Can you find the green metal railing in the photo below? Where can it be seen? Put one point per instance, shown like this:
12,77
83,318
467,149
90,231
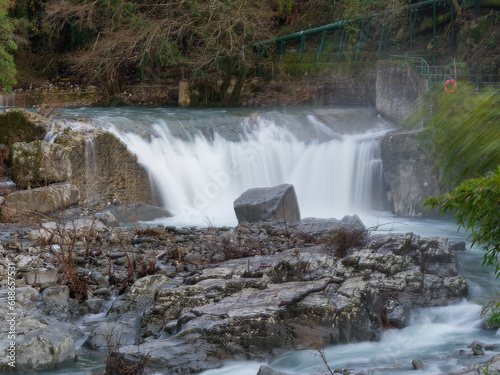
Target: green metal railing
363,37
438,75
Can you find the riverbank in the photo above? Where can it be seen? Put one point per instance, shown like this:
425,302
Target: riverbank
205,296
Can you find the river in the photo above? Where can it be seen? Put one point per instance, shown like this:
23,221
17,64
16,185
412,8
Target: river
201,160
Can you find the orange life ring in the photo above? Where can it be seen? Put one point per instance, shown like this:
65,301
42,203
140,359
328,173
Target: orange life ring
453,87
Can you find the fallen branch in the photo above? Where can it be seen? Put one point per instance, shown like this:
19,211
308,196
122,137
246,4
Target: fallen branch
301,296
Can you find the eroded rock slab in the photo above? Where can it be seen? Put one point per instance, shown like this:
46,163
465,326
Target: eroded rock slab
257,307
25,204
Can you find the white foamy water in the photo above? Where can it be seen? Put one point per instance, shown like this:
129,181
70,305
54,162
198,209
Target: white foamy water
199,173
201,160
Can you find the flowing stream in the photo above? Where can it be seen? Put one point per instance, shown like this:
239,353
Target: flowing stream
200,160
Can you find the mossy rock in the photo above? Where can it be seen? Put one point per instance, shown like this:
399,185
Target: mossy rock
19,125
39,163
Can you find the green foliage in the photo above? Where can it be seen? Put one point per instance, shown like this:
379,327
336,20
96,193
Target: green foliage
465,136
476,203
390,12
480,30
491,44
464,133
286,6
7,46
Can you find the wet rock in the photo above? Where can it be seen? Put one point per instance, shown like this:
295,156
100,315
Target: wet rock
275,204
396,314
44,348
132,212
93,305
21,205
408,173
111,335
265,370
39,163
84,228
477,349
417,364
57,294
177,357
311,225
493,366
42,277
249,311
20,125
457,245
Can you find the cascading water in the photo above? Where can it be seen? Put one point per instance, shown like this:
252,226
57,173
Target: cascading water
200,160
8,100
199,173
91,175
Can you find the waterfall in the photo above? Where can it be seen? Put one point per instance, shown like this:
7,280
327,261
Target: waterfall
199,173
91,176
7,100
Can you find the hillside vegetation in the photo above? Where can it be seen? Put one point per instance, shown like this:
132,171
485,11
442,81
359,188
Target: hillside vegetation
115,43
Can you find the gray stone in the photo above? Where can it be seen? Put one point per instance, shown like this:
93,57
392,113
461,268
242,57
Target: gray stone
477,349
493,366
237,313
177,357
57,294
265,370
42,277
457,245
193,258
99,279
94,305
102,292
42,348
26,203
275,204
310,225
83,229
111,335
132,212
408,173
39,163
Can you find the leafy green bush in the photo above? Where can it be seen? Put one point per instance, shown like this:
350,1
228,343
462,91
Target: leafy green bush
464,132
7,46
476,204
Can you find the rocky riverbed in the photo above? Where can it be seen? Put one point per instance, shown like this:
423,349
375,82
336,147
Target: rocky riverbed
182,300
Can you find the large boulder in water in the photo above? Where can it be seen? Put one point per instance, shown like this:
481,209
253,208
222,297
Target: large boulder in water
277,204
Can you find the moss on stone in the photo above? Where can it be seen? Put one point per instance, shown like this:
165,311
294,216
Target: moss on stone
18,126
